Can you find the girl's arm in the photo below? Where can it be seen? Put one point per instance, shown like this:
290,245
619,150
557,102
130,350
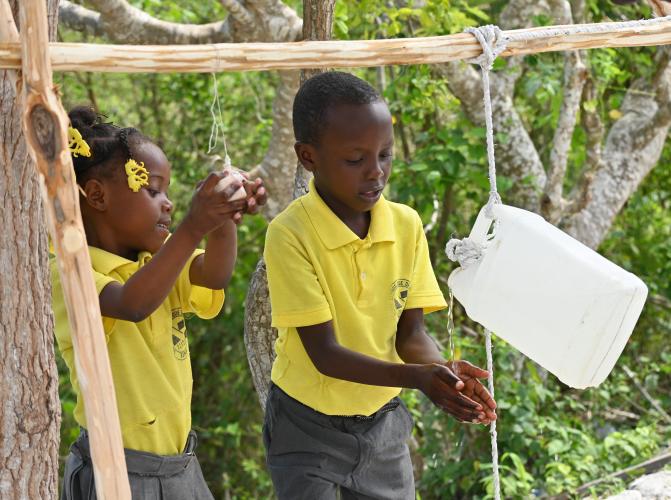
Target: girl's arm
214,268
146,290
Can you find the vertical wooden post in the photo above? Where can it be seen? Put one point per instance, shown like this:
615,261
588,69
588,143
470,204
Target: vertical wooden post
45,126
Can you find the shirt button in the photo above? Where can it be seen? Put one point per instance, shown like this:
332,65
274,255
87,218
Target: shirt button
363,276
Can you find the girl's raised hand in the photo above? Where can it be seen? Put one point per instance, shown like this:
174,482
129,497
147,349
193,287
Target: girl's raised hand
211,207
256,195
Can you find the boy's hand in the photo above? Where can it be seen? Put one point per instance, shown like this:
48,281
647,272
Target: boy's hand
446,391
209,208
470,374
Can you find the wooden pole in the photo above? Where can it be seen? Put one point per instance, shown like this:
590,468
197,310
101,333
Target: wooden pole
324,54
45,127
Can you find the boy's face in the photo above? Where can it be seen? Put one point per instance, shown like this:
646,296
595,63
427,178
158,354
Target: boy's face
352,160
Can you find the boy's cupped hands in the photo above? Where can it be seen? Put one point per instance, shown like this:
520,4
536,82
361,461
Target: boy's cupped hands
454,387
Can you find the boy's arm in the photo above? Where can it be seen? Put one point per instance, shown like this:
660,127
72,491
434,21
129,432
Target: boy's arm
146,290
413,345
436,380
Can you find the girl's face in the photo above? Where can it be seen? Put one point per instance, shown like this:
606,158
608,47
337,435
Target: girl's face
141,221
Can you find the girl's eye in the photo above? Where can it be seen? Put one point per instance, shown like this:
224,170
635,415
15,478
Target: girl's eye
387,156
354,162
152,192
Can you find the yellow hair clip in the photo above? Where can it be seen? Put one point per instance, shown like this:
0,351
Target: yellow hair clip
138,176
76,144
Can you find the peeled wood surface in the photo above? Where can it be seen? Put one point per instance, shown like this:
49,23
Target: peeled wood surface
321,54
45,127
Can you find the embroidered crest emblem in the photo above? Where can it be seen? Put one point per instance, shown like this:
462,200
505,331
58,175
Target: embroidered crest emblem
399,294
180,346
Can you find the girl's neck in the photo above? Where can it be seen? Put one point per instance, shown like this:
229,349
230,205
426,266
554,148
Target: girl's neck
99,236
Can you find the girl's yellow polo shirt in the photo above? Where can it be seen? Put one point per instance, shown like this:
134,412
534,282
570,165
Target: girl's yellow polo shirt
150,360
319,270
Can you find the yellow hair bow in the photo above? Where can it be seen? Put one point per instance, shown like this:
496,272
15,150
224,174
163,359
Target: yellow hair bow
76,144
138,176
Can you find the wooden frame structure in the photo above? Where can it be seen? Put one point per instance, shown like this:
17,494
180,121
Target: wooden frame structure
218,57
45,126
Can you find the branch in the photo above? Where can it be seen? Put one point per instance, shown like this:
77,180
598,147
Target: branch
661,8
79,18
553,204
121,22
633,147
238,12
516,157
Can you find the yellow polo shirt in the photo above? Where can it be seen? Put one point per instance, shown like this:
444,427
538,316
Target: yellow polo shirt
150,360
319,270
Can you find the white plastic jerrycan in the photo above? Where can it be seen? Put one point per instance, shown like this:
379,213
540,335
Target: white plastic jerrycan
554,299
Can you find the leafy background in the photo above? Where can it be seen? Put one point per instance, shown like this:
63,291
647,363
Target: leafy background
551,438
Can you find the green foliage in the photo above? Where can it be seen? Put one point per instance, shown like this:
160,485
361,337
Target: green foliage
551,439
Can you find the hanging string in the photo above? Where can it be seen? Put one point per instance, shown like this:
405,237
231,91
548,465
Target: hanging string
217,123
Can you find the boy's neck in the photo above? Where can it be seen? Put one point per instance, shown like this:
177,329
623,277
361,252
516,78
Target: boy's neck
357,222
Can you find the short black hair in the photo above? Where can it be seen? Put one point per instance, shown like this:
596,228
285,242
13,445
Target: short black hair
106,142
322,92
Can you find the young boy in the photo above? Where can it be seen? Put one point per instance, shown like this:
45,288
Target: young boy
350,280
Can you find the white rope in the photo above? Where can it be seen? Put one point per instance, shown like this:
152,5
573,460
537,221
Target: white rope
217,123
492,426
493,43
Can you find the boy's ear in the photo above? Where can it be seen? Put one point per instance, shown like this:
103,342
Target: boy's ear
96,195
306,155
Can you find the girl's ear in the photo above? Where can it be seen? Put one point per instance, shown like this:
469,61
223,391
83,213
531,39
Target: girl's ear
96,195
306,155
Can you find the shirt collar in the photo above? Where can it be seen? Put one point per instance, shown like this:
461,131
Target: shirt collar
334,233
105,262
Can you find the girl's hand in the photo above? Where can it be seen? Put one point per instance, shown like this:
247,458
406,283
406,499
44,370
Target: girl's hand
256,195
210,209
445,390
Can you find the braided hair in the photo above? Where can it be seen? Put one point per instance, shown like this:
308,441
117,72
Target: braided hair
111,146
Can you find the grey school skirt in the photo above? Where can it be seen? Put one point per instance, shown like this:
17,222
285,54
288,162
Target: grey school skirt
151,477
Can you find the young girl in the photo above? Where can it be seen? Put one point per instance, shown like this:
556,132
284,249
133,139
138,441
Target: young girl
147,280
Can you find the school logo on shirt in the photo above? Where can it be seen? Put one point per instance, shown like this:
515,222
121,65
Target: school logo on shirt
180,347
399,294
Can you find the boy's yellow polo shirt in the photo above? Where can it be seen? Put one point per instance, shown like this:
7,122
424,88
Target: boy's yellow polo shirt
319,270
150,360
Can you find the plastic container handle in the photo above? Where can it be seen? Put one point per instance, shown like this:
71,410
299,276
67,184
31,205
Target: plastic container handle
481,227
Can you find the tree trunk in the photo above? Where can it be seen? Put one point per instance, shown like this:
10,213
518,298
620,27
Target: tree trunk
259,335
30,415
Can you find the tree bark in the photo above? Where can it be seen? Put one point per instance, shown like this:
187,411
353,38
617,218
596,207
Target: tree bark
30,415
259,335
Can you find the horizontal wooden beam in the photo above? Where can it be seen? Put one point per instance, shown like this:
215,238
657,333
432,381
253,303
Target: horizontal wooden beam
333,54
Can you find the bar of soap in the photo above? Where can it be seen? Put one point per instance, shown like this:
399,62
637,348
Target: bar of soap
233,175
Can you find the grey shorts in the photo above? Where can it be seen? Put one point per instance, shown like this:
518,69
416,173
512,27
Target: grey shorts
151,477
315,456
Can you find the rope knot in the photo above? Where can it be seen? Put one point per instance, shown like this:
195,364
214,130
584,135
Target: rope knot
465,251
492,41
